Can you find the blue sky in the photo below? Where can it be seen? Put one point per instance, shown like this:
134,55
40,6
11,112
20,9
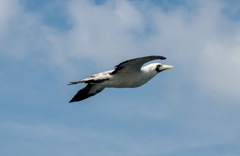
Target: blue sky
192,109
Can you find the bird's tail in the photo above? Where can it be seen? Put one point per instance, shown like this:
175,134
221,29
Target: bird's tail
72,83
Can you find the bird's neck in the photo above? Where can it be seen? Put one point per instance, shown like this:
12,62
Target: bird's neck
149,71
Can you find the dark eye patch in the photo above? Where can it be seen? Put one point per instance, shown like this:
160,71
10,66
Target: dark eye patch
157,69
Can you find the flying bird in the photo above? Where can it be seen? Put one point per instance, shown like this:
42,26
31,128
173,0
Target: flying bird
128,74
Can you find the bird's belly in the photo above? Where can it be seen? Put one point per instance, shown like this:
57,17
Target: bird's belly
126,81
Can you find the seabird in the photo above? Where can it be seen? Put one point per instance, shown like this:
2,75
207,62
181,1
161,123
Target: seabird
128,74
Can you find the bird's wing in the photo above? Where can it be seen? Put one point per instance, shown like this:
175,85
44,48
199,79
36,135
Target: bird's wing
88,91
134,65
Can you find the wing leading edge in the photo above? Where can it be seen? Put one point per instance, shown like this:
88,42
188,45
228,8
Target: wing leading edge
135,65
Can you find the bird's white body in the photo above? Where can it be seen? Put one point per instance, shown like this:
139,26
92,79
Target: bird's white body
128,74
126,79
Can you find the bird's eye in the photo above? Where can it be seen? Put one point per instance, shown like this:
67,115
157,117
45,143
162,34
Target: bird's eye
158,66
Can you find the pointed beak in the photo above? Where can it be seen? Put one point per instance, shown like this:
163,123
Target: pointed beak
164,67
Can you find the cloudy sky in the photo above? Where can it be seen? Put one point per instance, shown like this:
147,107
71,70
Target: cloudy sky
192,109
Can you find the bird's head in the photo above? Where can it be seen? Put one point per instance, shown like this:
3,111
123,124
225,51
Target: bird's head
161,67
158,67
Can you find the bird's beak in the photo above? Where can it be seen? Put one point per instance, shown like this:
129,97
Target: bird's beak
164,67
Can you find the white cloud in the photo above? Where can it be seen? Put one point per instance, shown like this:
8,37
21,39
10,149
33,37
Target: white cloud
197,39
102,32
116,31
6,12
22,34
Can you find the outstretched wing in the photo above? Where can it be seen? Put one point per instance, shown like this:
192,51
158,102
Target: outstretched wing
88,91
134,65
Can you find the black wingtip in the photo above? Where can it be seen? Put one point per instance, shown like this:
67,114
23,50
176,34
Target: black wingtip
161,57
72,100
